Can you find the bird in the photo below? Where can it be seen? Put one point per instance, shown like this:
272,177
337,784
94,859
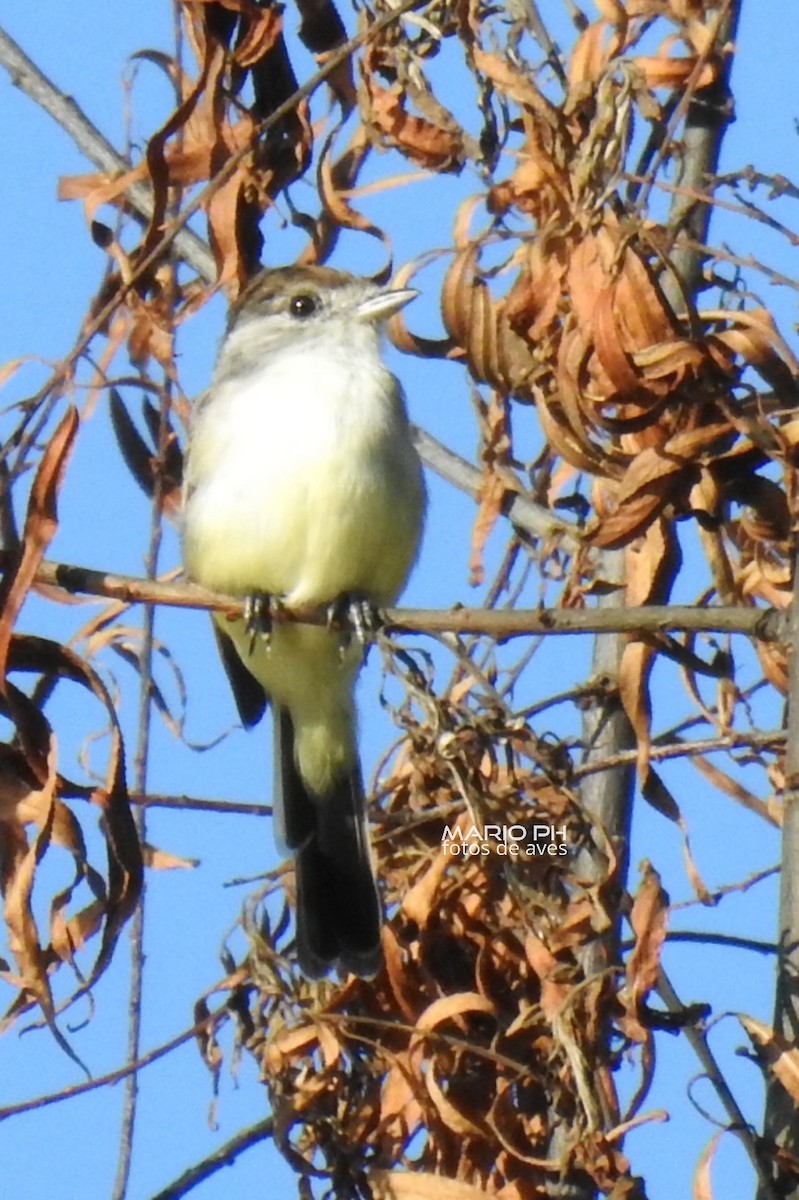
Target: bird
303,487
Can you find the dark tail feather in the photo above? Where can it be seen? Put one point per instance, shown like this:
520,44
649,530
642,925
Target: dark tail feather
338,907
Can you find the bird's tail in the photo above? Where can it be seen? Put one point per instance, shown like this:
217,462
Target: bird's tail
338,907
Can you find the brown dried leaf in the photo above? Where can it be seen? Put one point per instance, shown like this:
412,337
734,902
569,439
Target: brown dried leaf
41,523
493,491
338,208
592,52
163,860
446,1008
652,479
68,936
663,71
648,920
418,902
452,1116
733,788
516,85
420,1185
124,873
553,993
780,1055
758,341
400,1110
430,146
701,1187
635,670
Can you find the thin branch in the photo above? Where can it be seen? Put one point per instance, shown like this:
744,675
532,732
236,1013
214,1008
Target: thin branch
727,889
709,112
525,514
35,421
229,808
729,940
91,1085
141,763
765,624
70,116
733,740
738,1122
225,1156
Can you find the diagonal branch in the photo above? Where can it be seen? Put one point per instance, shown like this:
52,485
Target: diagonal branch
70,116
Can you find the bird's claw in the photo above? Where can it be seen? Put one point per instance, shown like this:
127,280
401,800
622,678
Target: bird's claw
356,616
258,618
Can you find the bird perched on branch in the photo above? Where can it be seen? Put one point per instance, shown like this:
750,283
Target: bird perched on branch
303,485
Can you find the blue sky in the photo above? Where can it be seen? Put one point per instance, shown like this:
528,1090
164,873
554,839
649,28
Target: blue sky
51,271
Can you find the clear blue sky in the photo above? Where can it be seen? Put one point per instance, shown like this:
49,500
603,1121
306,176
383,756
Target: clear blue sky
51,270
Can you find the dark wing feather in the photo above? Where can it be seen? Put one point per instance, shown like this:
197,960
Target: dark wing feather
251,699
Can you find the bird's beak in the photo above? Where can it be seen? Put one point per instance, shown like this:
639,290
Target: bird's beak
384,304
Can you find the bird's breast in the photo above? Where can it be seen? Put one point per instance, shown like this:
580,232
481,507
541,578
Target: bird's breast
302,481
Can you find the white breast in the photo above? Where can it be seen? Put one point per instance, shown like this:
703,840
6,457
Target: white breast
301,479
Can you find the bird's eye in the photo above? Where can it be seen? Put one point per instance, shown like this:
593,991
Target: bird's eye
304,305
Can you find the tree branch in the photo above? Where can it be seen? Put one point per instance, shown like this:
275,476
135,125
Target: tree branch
765,624
225,1156
91,1085
70,116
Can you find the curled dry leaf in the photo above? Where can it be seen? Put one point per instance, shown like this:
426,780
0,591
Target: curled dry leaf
702,1183
115,892
440,1044
652,562
648,920
421,1185
164,860
426,144
780,1055
18,863
41,523
450,1114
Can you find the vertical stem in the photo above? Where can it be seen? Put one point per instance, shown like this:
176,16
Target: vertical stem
608,795
143,746
781,1120
139,816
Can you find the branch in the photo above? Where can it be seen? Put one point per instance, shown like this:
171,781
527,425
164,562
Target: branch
70,116
765,624
69,1093
225,1156
780,1124
527,516
738,1125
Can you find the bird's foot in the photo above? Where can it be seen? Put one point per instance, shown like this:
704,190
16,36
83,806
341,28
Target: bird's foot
356,617
259,609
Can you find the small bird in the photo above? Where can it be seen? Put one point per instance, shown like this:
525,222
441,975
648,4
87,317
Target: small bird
302,484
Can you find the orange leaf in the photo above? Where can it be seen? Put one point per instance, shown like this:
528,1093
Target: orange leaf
41,523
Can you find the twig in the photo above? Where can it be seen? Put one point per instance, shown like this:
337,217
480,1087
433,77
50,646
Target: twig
230,808
780,1122
766,624
70,116
225,1156
730,940
135,1000
699,1044
46,397
727,889
525,514
731,741
91,1085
